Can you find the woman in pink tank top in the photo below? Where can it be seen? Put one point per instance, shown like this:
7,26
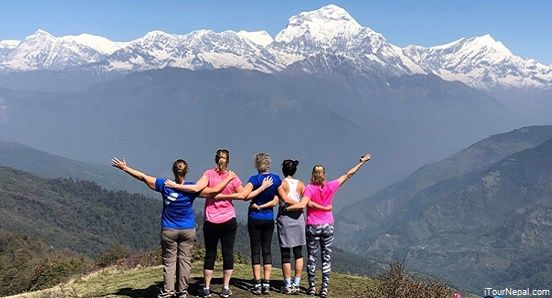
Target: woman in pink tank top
318,198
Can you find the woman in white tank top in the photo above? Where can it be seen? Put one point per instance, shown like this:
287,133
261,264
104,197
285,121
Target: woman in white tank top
291,227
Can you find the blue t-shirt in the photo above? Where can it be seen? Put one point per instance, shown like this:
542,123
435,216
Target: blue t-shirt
265,196
177,206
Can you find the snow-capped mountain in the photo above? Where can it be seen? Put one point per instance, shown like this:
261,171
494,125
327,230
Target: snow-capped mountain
322,40
41,50
332,30
481,62
202,49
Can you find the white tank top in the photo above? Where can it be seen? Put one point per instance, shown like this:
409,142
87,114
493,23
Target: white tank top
292,193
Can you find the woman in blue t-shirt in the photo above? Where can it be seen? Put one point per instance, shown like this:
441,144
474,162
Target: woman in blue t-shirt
260,220
177,222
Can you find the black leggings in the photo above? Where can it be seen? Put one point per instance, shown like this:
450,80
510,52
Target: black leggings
226,232
260,236
286,253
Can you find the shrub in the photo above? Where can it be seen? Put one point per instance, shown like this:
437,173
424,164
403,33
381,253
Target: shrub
396,282
113,254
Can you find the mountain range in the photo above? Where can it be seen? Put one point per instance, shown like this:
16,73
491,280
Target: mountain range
480,217
480,62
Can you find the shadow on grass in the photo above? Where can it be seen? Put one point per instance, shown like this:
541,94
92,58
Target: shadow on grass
238,285
150,291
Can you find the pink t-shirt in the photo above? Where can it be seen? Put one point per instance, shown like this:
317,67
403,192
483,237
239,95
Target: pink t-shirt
220,211
322,196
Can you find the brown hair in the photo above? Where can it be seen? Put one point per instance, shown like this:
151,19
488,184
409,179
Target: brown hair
220,153
318,175
179,168
262,162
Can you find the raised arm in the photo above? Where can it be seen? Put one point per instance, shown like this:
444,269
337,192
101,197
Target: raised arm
354,169
122,165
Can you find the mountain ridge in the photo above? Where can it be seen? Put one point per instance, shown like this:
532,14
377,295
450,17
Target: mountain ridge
480,62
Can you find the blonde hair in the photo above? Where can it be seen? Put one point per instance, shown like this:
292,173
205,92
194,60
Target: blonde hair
262,162
318,175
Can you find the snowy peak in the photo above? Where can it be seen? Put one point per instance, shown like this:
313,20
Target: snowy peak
99,43
9,44
260,38
489,44
481,62
322,25
40,34
480,44
325,41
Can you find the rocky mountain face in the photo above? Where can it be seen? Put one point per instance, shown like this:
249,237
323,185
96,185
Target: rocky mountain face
311,43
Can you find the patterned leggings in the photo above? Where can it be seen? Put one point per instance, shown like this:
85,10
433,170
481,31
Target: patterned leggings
320,235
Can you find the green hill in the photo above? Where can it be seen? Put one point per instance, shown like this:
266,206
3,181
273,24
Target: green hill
491,226
77,215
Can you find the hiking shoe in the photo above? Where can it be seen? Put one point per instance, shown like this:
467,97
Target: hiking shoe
266,288
324,293
182,294
311,291
165,294
287,290
295,289
226,293
204,293
257,289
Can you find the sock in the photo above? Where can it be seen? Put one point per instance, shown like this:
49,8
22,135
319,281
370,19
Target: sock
287,281
296,281
266,282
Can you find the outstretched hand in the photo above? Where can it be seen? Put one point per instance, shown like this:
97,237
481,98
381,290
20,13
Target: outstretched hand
365,157
119,163
255,206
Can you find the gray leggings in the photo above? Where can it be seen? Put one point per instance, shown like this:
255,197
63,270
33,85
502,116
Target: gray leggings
320,235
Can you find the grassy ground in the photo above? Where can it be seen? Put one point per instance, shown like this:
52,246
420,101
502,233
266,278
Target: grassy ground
146,282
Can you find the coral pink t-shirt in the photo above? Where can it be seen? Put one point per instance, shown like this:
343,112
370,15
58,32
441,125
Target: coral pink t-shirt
322,195
220,211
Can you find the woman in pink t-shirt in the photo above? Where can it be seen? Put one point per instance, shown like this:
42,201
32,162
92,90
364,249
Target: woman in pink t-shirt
318,197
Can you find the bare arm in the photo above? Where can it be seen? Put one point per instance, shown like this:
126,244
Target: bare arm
283,196
247,192
343,178
268,204
211,191
122,165
297,206
197,187
314,205
267,182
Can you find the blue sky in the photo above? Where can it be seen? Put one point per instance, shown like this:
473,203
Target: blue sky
525,27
